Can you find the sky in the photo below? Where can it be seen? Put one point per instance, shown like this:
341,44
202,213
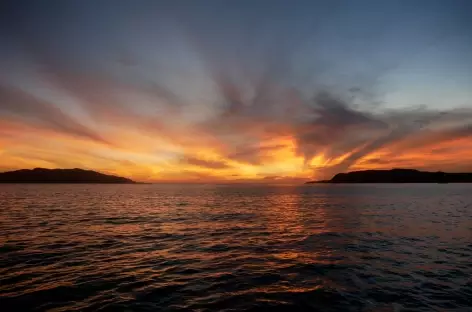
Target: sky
235,91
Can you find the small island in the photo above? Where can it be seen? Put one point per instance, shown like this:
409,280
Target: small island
398,176
41,175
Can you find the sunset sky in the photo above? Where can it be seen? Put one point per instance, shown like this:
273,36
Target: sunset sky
235,90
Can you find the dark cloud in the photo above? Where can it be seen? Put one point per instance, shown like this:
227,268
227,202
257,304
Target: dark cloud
211,164
23,105
254,154
333,123
271,178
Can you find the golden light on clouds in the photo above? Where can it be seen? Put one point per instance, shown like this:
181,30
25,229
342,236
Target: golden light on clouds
146,156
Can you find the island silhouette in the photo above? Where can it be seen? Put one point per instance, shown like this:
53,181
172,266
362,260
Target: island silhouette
42,175
398,176
76,175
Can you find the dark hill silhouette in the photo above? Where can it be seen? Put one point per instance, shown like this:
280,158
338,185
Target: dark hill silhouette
398,176
41,175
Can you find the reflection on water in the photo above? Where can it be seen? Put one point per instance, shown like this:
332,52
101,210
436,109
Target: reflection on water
202,247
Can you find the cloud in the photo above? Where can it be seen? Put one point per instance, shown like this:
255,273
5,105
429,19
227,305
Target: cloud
211,164
22,105
254,154
333,123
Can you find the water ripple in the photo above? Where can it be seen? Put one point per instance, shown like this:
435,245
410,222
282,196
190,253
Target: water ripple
235,248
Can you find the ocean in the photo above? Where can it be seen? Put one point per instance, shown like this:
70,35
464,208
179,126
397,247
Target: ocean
157,247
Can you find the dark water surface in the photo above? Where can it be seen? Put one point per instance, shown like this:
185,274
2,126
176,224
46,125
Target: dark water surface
234,248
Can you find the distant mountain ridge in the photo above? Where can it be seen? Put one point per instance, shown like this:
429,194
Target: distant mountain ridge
42,175
398,176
